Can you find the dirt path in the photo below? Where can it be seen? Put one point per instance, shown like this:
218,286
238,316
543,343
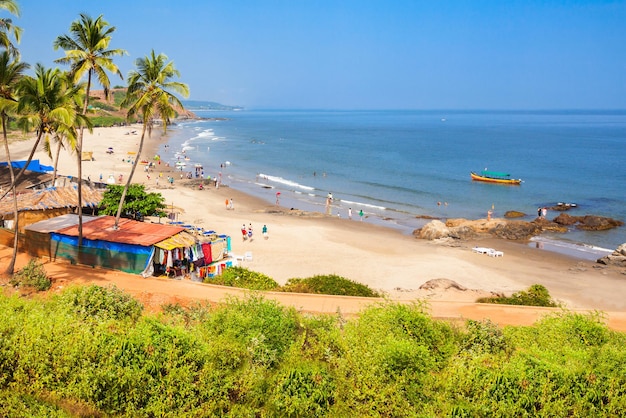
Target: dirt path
154,292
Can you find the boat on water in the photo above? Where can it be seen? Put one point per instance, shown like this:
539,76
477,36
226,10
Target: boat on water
494,177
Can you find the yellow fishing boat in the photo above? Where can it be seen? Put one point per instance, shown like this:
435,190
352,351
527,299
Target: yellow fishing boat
495,177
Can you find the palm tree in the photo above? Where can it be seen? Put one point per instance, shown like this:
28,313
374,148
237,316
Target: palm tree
86,52
148,95
10,73
47,104
64,135
7,28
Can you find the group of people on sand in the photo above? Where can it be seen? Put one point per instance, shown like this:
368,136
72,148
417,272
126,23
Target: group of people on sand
247,232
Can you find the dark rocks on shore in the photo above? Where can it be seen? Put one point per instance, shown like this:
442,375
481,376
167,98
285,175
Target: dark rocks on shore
516,230
617,258
588,222
551,226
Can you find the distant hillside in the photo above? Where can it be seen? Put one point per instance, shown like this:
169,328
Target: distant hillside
107,112
204,105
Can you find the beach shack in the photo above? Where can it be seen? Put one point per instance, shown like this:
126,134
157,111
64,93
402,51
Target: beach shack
129,247
134,247
37,205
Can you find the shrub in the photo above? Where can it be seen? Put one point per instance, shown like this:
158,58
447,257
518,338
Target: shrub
483,337
536,295
188,315
32,275
244,278
14,404
303,390
329,284
265,327
101,302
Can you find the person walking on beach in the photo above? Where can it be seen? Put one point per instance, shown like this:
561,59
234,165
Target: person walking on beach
250,232
244,232
361,215
350,213
264,230
230,204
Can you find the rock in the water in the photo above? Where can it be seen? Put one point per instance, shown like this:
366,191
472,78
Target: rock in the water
514,214
598,223
565,219
588,222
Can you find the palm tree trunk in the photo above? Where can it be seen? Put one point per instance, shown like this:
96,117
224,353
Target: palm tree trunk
56,164
21,172
79,151
130,176
11,266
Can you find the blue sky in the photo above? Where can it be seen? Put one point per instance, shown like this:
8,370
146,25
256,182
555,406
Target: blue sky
344,54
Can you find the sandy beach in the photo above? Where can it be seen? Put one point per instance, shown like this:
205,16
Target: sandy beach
305,244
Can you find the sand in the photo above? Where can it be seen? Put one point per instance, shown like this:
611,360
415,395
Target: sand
305,244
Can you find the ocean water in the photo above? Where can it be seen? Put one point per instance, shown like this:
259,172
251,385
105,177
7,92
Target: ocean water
396,166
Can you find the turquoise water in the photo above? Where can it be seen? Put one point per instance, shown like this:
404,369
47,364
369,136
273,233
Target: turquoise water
396,165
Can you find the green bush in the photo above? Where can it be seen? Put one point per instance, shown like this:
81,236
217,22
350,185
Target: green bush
187,316
265,327
254,357
32,275
13,404
101,303
107,121
305,390
536,295
243,278
329,284
483,337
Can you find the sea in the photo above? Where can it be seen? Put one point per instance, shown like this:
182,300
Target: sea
402,167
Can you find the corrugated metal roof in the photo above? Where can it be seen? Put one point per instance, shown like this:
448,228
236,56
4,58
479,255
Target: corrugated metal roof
59,222
51,198
129,231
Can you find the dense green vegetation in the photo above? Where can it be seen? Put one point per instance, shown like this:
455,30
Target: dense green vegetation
136,202
536,295
329,284
244,278
89,352
32,275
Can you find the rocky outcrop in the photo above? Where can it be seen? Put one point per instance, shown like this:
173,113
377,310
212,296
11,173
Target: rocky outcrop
463,229
516,230
514,214
598,223
588,222
433,230
552,226
565,219
617,258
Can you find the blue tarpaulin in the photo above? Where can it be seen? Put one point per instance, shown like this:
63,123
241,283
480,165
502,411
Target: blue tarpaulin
34,165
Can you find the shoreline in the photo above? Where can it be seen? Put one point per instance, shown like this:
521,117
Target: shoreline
304,244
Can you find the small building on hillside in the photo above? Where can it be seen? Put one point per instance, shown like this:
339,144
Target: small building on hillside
134,247
36,205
